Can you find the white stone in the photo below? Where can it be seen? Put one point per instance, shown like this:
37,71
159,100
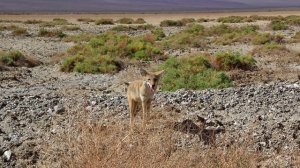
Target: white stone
7,155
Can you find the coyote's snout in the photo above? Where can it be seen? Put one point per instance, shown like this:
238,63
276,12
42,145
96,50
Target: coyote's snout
142,91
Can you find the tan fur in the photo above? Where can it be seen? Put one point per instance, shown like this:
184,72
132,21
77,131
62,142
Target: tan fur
142,91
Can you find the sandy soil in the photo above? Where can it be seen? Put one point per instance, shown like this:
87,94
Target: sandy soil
152,18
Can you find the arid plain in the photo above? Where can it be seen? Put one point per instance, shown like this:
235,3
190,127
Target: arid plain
229,97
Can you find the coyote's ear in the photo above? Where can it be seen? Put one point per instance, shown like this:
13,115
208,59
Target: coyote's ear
143,72
159,73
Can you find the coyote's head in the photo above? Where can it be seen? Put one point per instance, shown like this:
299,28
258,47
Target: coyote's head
151,79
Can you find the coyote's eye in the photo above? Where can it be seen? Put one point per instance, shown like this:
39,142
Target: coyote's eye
149,79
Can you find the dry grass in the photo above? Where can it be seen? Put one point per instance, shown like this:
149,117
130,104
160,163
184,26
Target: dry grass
94,144
85,20
33,21
48,33
104,22
20,31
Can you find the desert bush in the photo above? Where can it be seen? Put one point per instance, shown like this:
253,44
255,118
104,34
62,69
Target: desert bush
219,30
271,49
293,20
170,23
55,22
264,38
19,31
46,33
87,64
104,22
85,20
120,28
229,60
158,33
33,21
8,27
108,48
194,72
79,38
270,18
188,20
233,19
60,20
70,28
228,35
10,21
139,21
296,37
203,20
278,25
192,36
16,58
125,21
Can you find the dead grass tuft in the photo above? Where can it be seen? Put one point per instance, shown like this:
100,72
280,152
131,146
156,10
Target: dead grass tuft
94,144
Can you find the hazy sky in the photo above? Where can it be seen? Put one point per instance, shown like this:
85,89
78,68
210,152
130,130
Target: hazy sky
139,5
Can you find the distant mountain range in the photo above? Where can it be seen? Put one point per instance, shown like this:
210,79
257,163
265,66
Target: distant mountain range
138,5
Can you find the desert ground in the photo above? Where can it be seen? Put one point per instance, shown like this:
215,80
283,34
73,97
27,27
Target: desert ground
55,113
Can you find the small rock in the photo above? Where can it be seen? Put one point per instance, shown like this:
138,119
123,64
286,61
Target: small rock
59,108
49,110
88,108
93,103
7,155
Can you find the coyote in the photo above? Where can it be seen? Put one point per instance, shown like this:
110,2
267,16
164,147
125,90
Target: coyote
142,91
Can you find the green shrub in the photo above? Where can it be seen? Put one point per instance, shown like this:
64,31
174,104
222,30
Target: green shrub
228,35
219,30
95,64
54,22
278,25
120,28
16,58
125,21
10,57
101,53
293,20
46,33
272,49
60,21
188,20
192,36
193,72
19,31
256,17
233,60
262,38
104,22
139,21
170,23
232,19
158,34
61,34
